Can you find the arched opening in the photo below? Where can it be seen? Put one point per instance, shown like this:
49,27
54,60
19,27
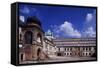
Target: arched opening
21,57
38,51
59,54
39,54
39,38
28,37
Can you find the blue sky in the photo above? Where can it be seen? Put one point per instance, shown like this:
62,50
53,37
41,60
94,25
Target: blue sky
67,22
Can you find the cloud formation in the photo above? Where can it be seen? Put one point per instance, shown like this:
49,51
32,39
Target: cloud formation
90,32
89,17
89,29
66,30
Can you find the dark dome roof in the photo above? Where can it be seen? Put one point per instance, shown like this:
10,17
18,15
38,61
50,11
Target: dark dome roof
33,20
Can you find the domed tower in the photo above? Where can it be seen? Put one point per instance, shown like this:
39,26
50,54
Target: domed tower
49,35
32,39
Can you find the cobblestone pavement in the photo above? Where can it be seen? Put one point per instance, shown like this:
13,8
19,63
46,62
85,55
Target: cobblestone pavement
60,59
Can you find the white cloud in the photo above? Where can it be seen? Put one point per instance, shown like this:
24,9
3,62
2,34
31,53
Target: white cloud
89,17
90,25
22,18
67,30
90,32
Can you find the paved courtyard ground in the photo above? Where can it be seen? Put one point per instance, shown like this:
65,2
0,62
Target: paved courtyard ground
60,59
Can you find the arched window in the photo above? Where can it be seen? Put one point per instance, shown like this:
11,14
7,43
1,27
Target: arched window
38,52
21,57
39,38
28,37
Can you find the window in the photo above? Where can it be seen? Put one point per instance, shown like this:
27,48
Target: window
21,57
67,53
89,48
86,54
65,49
28,37
70,53
89,53
39,38
86,48
68,49
83,54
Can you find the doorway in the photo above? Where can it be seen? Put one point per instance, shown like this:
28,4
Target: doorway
21,57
